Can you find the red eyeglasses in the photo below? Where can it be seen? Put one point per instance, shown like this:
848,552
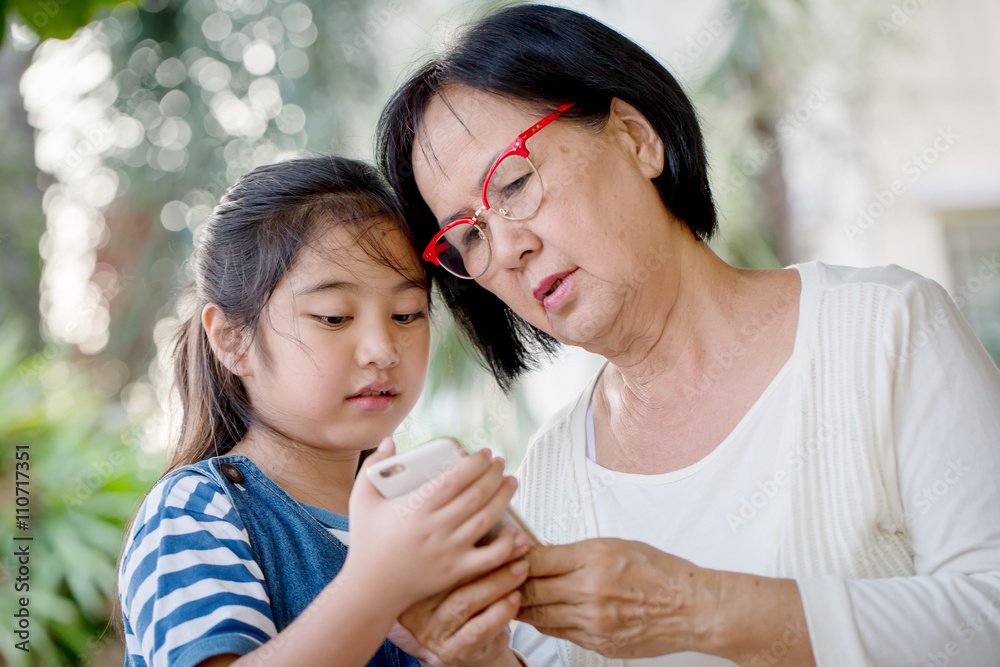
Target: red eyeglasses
513,189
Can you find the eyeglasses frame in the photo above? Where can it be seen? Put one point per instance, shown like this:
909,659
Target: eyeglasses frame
517,147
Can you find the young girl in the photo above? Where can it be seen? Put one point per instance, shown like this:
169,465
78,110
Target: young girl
307,346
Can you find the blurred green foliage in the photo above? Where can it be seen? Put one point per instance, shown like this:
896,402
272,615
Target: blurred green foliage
84,485
57,19
169,73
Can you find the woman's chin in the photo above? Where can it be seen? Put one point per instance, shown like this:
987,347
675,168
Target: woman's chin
580,332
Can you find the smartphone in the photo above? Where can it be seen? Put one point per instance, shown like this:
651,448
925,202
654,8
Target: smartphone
405,472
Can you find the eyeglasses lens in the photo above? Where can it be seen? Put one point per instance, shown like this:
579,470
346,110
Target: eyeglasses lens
468,252
515,189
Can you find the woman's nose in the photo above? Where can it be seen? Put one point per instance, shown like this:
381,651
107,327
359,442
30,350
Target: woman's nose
511,242
377,347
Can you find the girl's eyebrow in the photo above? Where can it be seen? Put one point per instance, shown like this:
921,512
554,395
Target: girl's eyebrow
354,288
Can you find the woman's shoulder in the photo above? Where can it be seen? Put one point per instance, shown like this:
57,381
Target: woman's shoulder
891,277
886,293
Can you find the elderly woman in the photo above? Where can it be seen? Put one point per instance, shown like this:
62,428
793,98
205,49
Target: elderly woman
796,466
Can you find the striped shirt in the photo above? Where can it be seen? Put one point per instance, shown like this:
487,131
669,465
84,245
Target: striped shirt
188,582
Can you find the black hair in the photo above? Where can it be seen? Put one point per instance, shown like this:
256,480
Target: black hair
543,56
249,243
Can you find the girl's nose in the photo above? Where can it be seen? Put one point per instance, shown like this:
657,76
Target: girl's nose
378,348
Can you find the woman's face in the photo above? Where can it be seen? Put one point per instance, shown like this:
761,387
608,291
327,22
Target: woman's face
601,243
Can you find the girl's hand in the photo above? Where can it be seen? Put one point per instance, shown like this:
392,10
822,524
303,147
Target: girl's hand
411,547
467,627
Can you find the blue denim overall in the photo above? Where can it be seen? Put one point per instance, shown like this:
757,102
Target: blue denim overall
296,553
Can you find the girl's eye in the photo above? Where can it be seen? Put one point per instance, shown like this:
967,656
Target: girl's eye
333,320
407,318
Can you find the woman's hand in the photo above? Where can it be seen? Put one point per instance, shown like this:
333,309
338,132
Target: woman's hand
621,599
467,627
416,545
629,600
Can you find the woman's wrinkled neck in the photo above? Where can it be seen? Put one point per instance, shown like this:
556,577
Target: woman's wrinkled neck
677,316
669,338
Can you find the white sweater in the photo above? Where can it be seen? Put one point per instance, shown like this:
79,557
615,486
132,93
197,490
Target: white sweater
888,454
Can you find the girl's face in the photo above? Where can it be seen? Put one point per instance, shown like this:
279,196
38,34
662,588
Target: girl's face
580,266
341,352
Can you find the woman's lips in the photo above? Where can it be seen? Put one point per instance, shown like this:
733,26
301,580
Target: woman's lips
563,284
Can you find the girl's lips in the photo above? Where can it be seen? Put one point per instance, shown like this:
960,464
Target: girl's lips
560,293
372,403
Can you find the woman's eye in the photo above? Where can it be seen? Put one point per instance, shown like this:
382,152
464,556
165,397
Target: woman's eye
333,320
407,318
472,236
515,186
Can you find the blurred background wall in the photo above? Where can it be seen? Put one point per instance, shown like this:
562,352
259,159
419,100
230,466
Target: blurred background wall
853,132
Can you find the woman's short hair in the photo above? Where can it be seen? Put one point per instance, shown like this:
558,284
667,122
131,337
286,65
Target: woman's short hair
543,56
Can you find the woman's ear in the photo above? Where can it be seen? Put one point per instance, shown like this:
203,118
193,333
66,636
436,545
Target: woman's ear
227,341
639,135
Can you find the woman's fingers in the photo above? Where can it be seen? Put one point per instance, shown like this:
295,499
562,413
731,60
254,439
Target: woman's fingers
555,560
541,591
550,617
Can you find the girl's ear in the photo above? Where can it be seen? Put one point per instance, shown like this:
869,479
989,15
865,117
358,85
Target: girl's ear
227,341
641,138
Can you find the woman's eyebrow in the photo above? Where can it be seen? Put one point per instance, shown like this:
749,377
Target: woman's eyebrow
461,213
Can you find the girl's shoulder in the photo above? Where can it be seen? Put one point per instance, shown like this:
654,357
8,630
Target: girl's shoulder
188,560
185,502
190,491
